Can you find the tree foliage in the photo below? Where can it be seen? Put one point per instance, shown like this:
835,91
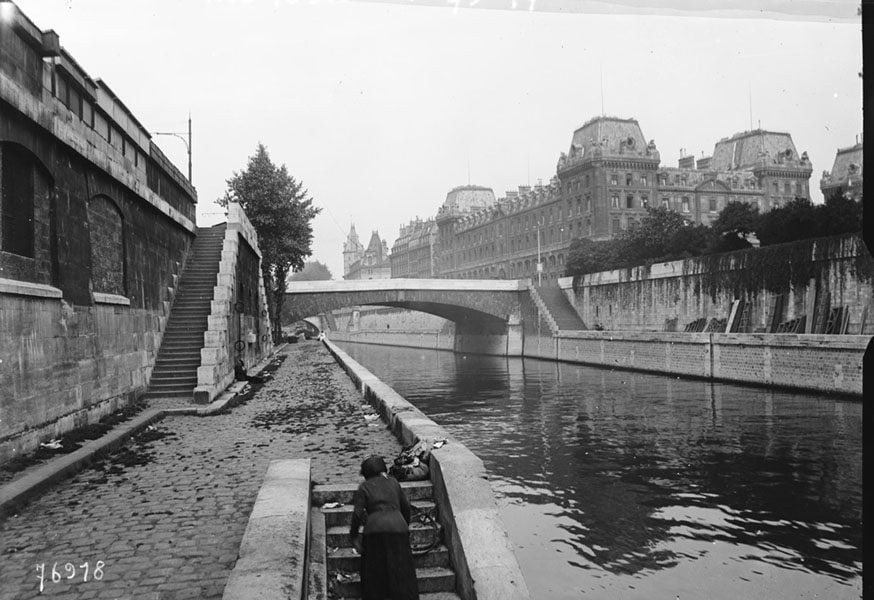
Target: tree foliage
665,235
313,270
281,212
731,228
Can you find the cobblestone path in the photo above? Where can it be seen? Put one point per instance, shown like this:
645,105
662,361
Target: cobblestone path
165,515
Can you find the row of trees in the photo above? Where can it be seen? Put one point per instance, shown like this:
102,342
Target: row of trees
665,235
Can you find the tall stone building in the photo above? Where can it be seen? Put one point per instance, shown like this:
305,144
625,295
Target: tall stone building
413,254
603,185
366,263
846,175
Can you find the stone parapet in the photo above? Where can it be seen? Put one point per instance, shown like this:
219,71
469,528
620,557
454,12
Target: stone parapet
480,550
272,555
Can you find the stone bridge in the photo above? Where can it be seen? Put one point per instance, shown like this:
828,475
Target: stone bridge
487,312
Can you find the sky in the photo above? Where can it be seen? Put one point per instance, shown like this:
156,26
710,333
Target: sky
380,108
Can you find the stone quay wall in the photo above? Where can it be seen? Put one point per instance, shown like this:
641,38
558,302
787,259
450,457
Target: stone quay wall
96,225
675,293
480,550
813,363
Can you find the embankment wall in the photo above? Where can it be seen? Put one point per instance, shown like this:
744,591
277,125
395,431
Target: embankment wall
668,296
480,549
96,226
816,363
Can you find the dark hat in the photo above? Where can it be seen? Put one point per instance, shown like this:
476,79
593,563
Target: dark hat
372,466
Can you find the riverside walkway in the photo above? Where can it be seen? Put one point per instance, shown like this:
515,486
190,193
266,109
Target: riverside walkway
165,514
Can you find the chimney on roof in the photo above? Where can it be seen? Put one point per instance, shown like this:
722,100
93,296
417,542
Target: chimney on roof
687,162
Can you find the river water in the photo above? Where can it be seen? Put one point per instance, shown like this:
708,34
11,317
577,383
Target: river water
624,485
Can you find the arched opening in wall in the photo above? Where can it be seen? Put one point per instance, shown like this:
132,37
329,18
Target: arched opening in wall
27,217
527,266
106,233
17,195
502,274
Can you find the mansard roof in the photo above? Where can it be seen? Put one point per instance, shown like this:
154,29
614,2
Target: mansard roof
848,162
614,136
754,148
466,198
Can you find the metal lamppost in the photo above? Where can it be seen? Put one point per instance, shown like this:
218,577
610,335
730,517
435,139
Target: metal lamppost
187,142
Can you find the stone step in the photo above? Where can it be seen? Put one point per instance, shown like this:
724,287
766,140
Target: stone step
178,349
338,536
348,559
172,394
342,492
430,580
342,515
166,372
188,320
189,338
189,366
173,379
191,304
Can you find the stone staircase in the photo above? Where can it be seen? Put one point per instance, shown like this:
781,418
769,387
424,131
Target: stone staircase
175,371
557,310
333,568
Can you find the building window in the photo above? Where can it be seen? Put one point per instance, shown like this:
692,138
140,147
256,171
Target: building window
714,205
614,201
615,226
587,181
643,180
588,204
16,201
629,179
614,179
776,188
666,203
663,180
629,201
644,200
685,205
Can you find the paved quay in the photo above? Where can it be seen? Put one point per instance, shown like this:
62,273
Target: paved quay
165,514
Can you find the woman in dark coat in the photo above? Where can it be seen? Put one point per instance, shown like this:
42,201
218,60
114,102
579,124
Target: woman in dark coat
387,569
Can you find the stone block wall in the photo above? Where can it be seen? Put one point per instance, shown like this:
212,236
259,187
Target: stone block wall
238,325
816,363
89,258
645,298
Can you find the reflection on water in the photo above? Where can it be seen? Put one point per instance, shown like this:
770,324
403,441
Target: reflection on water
629,485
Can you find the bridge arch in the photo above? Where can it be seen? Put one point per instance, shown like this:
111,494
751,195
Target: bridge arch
476,306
